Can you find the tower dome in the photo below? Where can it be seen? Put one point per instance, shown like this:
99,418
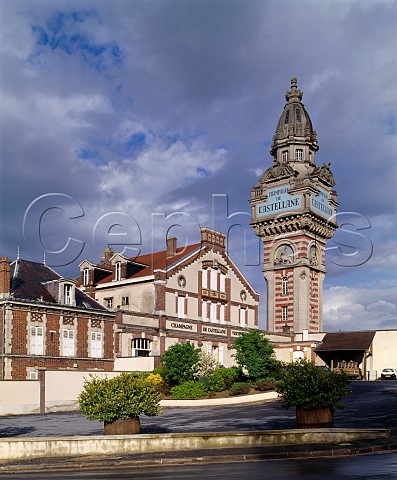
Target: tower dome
295,139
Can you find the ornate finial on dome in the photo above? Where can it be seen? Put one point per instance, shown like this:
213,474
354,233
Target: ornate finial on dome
294,95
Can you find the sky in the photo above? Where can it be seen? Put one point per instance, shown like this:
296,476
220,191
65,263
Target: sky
125,121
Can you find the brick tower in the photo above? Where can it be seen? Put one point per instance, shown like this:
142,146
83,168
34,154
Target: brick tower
293,212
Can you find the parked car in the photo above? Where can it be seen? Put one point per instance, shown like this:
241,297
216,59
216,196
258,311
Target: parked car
388,373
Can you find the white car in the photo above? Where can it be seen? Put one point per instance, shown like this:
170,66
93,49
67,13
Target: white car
388,373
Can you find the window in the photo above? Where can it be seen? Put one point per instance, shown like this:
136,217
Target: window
222,282
125,300
204,279
181,306
220,354
33,375
284,286
86,276
68,343
67,294
284,314
117,272
286,117
214,280
36,341
141,347
108,302
222,313
242,317
96,344
213,313
285,156
204,310
298,115
299,154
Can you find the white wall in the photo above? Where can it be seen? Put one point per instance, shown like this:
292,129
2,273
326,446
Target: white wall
384,351
19,397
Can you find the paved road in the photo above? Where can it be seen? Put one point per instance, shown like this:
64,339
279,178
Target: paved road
374,467
371,405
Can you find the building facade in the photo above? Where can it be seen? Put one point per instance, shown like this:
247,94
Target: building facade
48,323
192,293
293,208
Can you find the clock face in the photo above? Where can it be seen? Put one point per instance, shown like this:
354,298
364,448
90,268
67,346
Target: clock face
284,255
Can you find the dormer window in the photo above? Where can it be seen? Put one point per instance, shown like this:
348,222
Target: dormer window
285,156
117,272
298,115
286,117
86,276
67,294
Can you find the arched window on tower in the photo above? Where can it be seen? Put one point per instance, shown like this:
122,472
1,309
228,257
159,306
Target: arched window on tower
298,115
286,117
299,154
285,156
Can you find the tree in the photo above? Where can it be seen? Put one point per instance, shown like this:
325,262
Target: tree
255,354
179,363
206,365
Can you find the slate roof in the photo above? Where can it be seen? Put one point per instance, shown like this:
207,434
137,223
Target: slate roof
346,341
150,262
36,282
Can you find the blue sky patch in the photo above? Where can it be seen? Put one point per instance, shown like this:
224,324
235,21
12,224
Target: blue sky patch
61,33
94,156
135,143
203,172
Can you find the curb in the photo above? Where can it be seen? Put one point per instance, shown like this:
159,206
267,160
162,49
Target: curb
41,448
209,402
107,463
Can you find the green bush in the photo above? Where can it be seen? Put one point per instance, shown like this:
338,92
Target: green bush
255,354
304,385
205,381
223,378
216,382
230,375
239,388
265,384
179,362
189,390
122,397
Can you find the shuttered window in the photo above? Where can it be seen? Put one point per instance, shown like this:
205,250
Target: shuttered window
36,341
96,344
68,343
222,286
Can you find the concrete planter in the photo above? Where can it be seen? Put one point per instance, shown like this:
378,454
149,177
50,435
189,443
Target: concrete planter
317,418
129,426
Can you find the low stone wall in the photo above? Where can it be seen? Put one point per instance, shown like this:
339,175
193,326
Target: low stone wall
29,448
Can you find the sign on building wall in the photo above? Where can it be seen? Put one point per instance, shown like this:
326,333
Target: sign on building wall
319,203
279,200
215,330
181,326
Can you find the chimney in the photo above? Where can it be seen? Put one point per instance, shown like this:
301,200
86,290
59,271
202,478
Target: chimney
171,247
106,256
5,277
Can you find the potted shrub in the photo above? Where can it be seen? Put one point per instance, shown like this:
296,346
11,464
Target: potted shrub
118,402
313,391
